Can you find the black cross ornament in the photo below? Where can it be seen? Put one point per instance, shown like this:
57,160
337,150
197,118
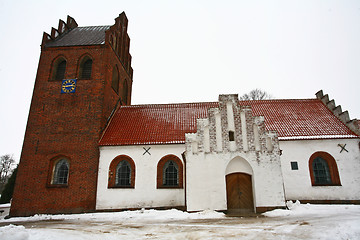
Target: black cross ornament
342,147
146,150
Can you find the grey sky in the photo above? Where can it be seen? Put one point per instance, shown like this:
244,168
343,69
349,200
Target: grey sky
190,51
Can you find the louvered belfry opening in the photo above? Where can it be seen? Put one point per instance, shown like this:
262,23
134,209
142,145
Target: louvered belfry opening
60,70
86,69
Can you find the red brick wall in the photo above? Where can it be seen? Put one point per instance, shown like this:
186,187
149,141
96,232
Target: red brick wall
65,125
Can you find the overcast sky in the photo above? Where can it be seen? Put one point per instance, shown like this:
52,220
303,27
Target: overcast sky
191,51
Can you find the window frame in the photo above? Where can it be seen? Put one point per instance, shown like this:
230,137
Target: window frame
52,172
112,178
120,167
294,165
161,172
167,178
231,136
332,167
83,60
55,67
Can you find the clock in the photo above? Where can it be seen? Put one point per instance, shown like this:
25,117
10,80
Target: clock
68,86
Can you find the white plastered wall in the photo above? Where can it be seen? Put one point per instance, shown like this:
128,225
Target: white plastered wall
298,182
145,194
206,184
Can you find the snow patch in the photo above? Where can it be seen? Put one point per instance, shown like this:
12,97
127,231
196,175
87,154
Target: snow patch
164,215
12,232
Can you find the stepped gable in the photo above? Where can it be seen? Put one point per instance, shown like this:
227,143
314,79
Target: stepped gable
343,116
168,123
69,34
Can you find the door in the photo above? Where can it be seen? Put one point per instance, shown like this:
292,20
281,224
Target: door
239,192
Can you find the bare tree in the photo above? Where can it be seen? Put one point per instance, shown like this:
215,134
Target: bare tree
6,165
256,94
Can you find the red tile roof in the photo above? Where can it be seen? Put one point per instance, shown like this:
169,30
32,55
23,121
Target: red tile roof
168,123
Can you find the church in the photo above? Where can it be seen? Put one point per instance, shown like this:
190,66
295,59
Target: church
87,148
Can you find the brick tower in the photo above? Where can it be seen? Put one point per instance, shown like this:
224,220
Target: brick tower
84,73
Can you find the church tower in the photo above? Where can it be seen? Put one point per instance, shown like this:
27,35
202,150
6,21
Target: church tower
84,73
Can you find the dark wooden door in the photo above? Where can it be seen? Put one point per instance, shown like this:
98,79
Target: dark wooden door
239,192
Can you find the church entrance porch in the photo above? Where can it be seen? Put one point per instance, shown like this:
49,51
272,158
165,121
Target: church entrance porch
239,193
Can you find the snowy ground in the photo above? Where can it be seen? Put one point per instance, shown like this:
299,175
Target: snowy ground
300,222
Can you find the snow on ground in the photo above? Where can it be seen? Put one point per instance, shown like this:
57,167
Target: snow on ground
301,221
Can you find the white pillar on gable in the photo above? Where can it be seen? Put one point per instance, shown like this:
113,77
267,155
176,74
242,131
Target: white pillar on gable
244,131
219,146
230,116
231,124
207,139
256,138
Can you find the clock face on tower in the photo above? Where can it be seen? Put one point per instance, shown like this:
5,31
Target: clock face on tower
68,86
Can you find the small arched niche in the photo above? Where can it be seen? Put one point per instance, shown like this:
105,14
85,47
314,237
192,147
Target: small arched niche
238,164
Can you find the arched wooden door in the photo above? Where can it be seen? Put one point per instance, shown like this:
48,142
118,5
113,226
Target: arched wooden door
239,192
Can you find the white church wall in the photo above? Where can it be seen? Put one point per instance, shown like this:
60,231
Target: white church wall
206,188
206,183
298,184
145,193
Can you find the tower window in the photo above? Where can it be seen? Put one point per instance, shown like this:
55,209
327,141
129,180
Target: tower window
115,79
60,70
125,92
61,172
85,68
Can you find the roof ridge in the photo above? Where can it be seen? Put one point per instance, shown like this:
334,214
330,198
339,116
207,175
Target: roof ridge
93,26
167,104
214,102
280,99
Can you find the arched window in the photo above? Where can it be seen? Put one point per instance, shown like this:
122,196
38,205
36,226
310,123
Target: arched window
59,68
122,172
115,79
323,170
170,172
85,68
61,172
